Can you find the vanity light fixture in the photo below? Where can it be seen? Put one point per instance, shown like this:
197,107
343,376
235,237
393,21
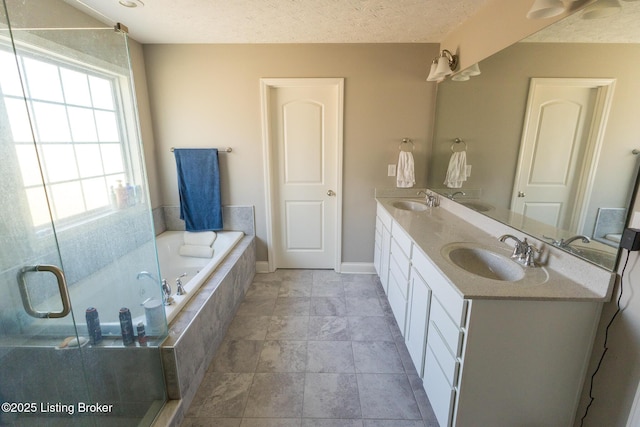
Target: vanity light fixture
467,73
601,9
442,66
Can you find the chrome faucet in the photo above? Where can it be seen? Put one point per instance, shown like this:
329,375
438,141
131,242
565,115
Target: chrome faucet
430,199
562,243
519,249
180,289
452,196
523,252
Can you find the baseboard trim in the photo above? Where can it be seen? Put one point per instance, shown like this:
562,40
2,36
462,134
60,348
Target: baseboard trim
262,267
357,268
345,267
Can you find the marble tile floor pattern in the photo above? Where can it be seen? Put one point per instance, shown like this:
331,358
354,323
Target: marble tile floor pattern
312,348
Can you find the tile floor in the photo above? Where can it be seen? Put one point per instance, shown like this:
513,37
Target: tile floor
312,348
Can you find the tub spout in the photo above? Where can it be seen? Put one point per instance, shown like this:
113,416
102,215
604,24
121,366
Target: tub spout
147,275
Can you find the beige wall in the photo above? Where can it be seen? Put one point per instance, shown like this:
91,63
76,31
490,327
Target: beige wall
209,96
138,70
488,113
619,376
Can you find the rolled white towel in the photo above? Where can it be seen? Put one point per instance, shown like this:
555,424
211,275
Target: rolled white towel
196,251
199,238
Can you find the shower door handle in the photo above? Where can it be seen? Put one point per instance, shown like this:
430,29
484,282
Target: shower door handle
62,288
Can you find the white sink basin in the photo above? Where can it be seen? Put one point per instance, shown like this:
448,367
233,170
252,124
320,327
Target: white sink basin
493,263
484,262
410,205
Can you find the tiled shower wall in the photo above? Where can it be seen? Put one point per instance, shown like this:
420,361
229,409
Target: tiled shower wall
236,218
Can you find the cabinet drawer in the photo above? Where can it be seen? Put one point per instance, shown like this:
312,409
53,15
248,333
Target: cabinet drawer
402,239
401,260
385,217
447,361
441,395
449,331
456,306
397,302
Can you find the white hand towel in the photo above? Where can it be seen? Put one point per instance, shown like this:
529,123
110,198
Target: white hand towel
196,251
405,175
457,171
199,238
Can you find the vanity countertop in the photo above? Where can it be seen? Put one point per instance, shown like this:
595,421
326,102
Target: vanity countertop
434,228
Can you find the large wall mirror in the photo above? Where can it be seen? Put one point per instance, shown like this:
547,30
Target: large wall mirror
551,129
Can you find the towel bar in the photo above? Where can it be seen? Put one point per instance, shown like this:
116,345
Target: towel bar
406,141
458,141
220,150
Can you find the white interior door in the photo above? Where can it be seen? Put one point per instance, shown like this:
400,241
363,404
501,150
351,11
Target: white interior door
304,134
560,144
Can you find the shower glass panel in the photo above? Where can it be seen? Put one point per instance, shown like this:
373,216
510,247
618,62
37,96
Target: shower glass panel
77,229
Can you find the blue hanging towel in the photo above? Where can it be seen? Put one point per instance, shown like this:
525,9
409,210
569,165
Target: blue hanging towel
199,188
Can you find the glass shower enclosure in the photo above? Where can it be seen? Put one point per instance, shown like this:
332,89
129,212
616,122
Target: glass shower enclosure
77,246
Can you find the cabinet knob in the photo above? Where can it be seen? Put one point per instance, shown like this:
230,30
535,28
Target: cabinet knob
521,194
331,193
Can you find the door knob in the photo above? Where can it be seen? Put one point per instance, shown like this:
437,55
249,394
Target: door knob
331,193
521,194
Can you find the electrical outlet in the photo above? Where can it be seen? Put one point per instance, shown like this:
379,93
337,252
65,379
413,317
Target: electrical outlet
391,170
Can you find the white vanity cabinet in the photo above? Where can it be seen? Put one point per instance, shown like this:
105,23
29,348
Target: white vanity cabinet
418,303
382,246
444,339
399,272
485,361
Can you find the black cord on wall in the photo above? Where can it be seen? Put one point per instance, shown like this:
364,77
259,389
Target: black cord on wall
606,337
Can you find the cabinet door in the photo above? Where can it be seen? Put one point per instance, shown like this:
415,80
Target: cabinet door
417,318
384,259
397,300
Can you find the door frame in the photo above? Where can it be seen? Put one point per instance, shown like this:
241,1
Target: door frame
595,138
266,84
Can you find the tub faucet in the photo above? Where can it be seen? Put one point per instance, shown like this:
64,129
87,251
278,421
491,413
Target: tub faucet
452,196
180,289
167,299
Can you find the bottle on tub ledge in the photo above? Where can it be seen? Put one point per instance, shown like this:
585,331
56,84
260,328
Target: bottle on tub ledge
142,336
93,325
126,326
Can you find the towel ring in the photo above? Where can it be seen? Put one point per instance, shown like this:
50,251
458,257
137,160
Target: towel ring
458,141
406,141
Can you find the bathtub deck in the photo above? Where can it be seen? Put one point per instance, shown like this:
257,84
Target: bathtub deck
197,331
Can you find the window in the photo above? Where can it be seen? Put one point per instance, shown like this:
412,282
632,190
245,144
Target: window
74,117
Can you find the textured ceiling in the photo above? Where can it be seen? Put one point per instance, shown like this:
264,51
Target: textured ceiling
621,27
286,21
